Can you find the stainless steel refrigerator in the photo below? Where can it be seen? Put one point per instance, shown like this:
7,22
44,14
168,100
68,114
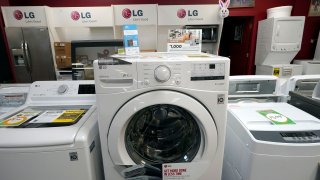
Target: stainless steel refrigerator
31,53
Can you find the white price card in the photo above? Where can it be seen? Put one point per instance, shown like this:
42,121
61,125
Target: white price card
184,40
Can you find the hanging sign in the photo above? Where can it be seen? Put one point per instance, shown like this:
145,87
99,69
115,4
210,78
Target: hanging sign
24,16
144,14
184,40
189,14
82,17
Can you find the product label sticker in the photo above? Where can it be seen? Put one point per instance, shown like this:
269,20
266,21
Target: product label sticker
275,117
69,116
184,40
20,118
276,71
47,117
184,171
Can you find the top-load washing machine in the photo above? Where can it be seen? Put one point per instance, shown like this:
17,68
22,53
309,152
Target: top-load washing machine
12,96
162,115
54,135
271,141
253,88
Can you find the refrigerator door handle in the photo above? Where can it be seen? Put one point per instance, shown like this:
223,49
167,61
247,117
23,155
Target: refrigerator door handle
27,55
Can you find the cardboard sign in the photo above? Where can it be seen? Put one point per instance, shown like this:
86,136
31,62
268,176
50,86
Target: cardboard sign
184,40
24,16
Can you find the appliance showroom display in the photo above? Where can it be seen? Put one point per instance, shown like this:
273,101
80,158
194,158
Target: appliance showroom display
271,141
253,88
278,42
165,115
12,96
54,135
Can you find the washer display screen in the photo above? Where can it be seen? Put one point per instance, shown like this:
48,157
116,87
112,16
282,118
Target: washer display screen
162,134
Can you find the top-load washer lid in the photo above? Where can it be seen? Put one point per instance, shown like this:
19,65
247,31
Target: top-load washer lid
277,122
53,115
273,117
38,126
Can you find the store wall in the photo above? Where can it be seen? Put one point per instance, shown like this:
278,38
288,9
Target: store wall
300,7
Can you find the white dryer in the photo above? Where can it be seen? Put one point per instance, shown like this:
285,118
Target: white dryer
12,96
271,141
54,135
163,115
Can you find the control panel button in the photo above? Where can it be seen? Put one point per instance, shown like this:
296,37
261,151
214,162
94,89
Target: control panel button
62,89
162,73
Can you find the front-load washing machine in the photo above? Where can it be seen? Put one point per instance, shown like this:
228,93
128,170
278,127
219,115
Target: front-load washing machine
54,135
271,141
162,115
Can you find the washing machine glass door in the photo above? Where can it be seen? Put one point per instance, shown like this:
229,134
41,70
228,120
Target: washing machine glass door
161,127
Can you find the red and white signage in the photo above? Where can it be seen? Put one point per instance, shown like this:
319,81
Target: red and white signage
144,14
81,17
24,16
189,14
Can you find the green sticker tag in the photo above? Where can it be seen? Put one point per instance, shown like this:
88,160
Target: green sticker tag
276,117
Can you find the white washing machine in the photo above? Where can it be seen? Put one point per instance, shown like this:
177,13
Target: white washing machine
253,88
304,84
54,135
162,115
12,96
271,141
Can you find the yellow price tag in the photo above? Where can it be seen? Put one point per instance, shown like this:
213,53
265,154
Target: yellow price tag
69,116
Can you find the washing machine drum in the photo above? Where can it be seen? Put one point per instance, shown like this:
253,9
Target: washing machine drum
162,127
162,134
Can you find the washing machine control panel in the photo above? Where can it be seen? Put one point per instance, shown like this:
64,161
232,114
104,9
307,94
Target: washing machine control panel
288,137
177,73
56,89
207,71
159,74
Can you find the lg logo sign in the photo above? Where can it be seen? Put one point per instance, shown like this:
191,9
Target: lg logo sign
18,15
127,13
75,15
181,13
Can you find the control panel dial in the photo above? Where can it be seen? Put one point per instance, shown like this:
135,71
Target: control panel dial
62,89
162,73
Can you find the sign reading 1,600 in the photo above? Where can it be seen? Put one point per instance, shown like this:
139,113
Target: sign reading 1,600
175,46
